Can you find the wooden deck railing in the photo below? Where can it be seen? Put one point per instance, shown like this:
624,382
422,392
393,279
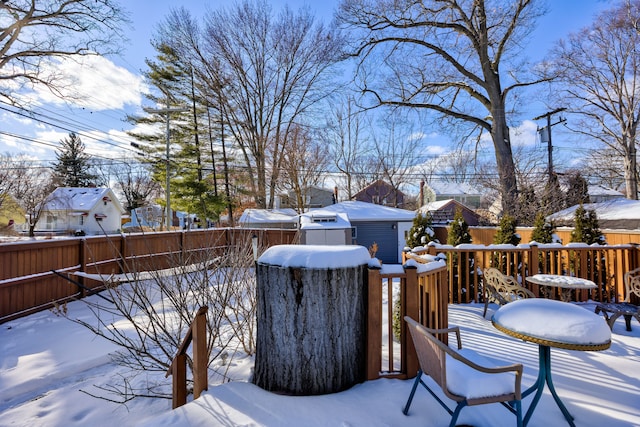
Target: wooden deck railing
423,296
604,265
197,333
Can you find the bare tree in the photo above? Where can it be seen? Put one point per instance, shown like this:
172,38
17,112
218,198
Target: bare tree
348,143
452,57
35,32
134,181
303,164
32,186
395,151
270,71
600,69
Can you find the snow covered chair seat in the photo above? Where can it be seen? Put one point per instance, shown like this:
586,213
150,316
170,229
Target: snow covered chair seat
463,375
613,310
501,289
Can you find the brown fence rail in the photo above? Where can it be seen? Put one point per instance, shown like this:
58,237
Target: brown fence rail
28,283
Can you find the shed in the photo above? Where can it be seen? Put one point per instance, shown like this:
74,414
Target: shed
269,218
81,211
321,227
383,225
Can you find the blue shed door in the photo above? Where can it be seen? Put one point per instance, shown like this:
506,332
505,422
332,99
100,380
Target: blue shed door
382,233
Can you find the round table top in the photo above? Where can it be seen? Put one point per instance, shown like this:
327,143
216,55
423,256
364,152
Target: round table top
553,323
559,281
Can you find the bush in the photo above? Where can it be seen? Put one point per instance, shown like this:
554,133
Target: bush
421,231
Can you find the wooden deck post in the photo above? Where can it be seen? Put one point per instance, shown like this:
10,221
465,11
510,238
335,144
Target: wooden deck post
410,303
200,359
374,324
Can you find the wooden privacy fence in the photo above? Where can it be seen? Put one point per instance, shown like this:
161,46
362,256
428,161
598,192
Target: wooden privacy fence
28,284
604,265
422,294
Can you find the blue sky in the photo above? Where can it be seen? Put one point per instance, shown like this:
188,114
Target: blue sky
113,86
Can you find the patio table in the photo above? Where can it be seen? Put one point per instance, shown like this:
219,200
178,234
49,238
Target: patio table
551,323
565,283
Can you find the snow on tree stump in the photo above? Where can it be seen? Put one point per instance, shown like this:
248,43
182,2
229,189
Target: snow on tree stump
311,319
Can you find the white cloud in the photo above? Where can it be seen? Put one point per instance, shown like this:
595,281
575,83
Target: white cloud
93,82
526,134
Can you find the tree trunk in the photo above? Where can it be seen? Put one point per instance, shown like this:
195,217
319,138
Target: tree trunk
311,323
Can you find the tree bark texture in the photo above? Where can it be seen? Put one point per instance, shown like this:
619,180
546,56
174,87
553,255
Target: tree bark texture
311,329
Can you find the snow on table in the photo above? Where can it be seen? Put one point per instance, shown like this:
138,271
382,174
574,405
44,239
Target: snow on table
553,321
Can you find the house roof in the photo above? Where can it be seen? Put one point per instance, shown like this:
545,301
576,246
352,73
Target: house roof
79,198
438,205
599,190
453,188
323,219
272,216
363,211
616,213
379,183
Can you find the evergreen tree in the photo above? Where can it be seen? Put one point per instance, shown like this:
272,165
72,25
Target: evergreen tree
507,231
577,191
586,228
193,186
73,166
553,199
459,231
421,231
543,231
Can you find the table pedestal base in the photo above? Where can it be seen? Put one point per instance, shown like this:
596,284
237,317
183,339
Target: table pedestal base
544,376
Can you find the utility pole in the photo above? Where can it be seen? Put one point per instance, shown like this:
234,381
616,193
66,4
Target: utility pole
168,110
548,135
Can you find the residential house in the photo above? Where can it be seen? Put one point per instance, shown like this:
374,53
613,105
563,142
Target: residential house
381,193
459,191
314,197
613,214
443,211
599,193
81,211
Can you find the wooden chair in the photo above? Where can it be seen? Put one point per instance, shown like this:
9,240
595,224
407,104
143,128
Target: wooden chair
464,376
612,311
501,288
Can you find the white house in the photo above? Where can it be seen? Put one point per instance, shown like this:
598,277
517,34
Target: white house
81,211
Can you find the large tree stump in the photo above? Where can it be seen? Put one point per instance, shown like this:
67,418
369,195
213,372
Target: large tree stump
311,318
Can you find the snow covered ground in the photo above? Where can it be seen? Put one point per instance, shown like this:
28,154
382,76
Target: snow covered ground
48,365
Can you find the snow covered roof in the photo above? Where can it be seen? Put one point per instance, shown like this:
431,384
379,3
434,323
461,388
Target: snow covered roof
363,211
79,198
599,190
453,188
271,216
324,219
616,213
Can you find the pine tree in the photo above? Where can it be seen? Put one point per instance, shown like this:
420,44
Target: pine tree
421,231
586,228
73,167
193,186
577,191
507,232
459,231
543,231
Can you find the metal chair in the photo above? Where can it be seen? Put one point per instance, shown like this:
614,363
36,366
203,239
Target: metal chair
501,288
612,311
464,376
